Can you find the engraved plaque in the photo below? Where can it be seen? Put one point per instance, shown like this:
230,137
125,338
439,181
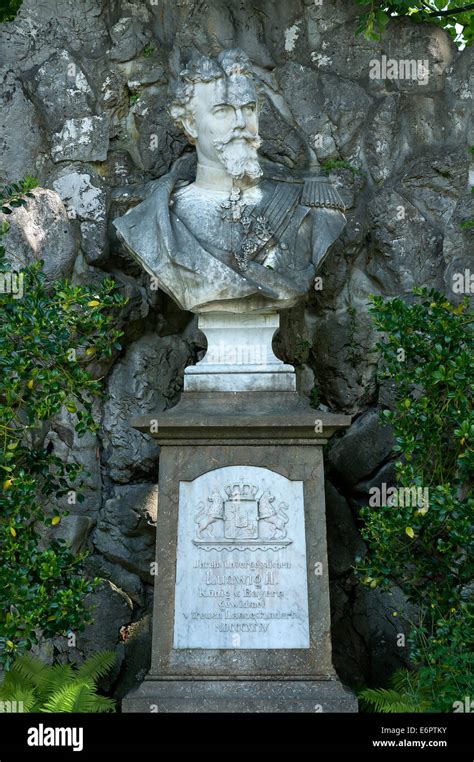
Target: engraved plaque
241,564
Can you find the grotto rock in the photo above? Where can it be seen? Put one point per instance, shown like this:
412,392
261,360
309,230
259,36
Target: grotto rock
129,38
125,534
137,650
344,372
18,150
367,647
377,618
159,142
128,583
365,447
84,450
143,73
60,90
41,230
384,475
458,245
434,184
84,139
144,382
111,610
406,247
75,530
382,141
344,541
84,195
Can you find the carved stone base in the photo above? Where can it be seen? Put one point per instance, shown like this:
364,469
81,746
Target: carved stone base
239,356
240,695
241,618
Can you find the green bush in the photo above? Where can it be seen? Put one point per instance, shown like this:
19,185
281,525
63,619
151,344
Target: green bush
427,547
47,340
442,655
447,14
9,9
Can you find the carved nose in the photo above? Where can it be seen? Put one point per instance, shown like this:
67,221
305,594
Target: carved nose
239,118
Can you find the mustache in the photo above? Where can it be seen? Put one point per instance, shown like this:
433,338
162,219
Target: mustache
254,140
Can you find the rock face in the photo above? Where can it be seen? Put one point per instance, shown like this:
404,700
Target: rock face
84,87
125,533
145,381
42,231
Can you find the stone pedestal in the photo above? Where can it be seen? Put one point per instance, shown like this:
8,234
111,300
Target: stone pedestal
239,355
241,611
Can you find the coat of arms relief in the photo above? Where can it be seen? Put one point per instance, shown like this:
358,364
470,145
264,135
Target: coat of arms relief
241,516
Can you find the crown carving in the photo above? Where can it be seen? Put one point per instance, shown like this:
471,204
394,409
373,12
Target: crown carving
242,490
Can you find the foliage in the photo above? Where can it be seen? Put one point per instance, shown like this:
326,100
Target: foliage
314,399
427,353
442,655
9,9
329,165
302,351
444,13
403,695
60,688
15,195
426,549
47,340
148,51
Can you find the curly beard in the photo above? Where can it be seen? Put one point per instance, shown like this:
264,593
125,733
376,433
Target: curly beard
238,157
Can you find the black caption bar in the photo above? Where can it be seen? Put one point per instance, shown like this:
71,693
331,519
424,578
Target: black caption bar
80,736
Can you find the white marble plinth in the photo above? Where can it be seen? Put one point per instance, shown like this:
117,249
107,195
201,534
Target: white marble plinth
239,356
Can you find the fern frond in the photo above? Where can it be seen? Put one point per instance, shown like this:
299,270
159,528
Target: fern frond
61,688
103,704
13,683
24,700
97,666
388,700
404,694
403,681
73,697
33,670
57,676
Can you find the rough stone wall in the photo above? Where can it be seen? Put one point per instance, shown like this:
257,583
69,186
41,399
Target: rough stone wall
84,85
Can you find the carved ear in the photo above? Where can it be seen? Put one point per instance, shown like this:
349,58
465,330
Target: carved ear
189,126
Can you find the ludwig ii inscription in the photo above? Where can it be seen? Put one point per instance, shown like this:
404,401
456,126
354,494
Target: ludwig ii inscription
241,566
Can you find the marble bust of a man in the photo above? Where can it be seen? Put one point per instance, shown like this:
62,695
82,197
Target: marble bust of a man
233,239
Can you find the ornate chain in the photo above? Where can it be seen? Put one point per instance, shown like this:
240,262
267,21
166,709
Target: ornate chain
255,235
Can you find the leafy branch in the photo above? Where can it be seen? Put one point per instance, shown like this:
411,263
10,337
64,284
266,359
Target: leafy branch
47,339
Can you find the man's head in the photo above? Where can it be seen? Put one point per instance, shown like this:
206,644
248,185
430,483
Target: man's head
216,106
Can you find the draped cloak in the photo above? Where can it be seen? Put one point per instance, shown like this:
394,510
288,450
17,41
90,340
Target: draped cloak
166,236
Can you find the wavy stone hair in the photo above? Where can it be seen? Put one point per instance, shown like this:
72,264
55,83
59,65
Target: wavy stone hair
204,69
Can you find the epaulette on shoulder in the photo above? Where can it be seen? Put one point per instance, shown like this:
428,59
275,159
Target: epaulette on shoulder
318,191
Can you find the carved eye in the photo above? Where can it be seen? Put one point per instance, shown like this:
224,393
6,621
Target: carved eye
222,110
249,108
